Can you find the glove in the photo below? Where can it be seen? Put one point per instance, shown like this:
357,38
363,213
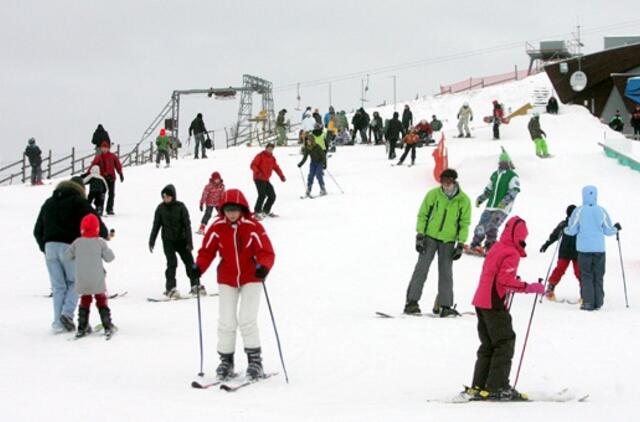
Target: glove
195,271
324,166
537,288
200,207
284,179
121,178
617,226
261,272
151,247
457,252
544,247
501,205
478,203
471,119
299,165
420,243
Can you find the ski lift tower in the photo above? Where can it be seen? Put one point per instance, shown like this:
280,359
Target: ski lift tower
548,51
243,133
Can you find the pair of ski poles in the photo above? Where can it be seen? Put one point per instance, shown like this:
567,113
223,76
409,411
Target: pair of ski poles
328,173
273,321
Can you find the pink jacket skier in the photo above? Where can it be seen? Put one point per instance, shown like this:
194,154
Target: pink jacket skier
211,197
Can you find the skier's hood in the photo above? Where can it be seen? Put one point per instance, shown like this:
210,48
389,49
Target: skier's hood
589,195
514,234
169,190
68,188
235,196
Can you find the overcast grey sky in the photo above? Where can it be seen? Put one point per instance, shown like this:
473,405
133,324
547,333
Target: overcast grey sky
66,66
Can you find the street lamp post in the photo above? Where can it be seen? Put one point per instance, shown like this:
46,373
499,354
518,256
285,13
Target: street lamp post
394,92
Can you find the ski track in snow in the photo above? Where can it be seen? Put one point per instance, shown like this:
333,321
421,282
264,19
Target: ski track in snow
338,260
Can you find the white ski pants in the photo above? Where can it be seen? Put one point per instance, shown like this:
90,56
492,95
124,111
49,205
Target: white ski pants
231,316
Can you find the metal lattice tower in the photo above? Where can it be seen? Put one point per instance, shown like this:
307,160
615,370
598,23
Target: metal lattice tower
264,88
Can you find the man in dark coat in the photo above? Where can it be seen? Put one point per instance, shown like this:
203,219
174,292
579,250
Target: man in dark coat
57,226
99,136
407,118
34,155
394,131
199,131
173,217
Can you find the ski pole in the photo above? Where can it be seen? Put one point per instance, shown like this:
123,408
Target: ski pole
302,178
201,373
273,321
624,279
334,181
553,258
526,338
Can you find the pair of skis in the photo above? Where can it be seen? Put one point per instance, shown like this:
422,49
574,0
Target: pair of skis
562,396
428,315
173,299
98,328
230,388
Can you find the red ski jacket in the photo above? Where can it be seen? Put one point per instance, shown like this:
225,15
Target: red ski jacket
242,245
500,268
109,164
212,194
424,127
263,165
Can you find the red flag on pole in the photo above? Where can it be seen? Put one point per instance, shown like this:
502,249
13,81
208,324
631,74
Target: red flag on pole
440,157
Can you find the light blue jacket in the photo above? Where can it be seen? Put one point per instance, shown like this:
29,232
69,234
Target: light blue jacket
590,223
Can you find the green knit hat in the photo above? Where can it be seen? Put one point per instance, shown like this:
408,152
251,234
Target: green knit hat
504,157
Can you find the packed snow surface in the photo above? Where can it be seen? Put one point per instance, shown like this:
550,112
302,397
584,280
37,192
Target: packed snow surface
339,259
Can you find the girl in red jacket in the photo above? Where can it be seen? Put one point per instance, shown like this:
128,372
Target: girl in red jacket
211,198
246,256
497,340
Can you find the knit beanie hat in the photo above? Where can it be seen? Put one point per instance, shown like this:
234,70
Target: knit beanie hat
90,226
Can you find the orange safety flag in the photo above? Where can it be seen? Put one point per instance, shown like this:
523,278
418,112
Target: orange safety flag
440,156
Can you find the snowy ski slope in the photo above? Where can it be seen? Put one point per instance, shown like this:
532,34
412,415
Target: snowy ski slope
339,259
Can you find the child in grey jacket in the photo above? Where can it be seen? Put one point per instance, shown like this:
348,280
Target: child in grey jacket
88,252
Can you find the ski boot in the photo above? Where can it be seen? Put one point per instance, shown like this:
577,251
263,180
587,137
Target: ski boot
194,290
67,323
157,165
448,311
105,318
201,229
271,214
471,394
549,294
225,368
323,191
460,135
436,307
254,368
412,308
172,293
83,323
504,394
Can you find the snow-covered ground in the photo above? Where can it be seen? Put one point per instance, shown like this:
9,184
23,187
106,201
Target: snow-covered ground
339,259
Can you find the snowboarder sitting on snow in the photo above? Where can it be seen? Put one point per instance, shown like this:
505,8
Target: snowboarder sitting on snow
538,135
590,223
410,143
424,131
497,339
172,216
246,257
465,115
88,252
500,193
97,188
552,106
211,197
317,164
163,144
34,155
567,254
443,227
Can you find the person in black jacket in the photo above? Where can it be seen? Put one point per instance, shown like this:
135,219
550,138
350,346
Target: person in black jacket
199,131
34,155
552,105
376,127
407,118
173,217
393,133
57,226
99,136
566,255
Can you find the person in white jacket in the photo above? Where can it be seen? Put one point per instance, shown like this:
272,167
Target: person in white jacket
465,115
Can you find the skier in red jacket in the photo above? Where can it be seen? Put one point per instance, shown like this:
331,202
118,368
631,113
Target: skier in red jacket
211,198
497,340
109,164
262,166
246,256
